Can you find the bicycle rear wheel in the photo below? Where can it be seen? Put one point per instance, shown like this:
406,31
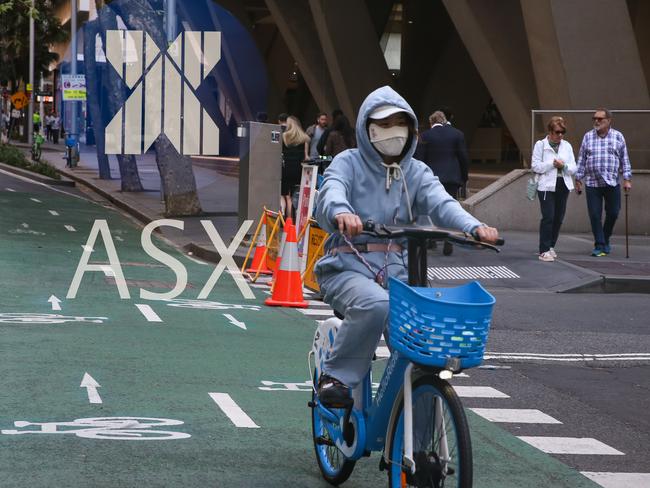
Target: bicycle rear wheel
334,466
442,447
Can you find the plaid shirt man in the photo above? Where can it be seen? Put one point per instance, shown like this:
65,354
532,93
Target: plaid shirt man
602,159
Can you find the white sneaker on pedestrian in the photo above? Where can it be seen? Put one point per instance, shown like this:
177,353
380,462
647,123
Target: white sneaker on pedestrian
546,256
552,252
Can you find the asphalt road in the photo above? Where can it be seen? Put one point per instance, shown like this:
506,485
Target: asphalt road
188,361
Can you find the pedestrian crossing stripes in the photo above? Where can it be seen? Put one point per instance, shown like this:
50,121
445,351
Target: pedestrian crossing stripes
570,445
619,480
471,273
515,415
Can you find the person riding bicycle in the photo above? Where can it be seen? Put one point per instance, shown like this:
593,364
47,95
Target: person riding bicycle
380,181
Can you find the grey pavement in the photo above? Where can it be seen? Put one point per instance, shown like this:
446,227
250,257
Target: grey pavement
574,271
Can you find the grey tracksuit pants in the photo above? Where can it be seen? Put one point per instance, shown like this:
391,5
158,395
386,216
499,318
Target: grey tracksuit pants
365,305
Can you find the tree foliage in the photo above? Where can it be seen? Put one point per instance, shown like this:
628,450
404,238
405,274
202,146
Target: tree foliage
14,37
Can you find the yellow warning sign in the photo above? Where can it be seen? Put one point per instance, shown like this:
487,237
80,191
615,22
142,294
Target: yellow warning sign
19,100
315,251
272,245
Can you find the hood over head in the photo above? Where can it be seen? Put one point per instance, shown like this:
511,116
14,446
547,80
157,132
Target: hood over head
383,98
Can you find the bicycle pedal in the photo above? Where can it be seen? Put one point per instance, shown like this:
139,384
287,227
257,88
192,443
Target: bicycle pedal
322,441
311,404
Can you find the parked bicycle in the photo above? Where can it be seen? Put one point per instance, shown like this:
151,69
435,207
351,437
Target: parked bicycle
415,418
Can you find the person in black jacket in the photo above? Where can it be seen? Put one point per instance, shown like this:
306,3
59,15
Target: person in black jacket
442,148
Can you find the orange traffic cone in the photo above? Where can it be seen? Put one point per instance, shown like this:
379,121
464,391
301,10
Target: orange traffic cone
287,291
259,258
278,260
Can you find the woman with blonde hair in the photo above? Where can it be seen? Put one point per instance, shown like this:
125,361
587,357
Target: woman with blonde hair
295,149
554,163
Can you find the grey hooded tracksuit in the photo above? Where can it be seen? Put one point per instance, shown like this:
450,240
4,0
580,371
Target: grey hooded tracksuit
356,182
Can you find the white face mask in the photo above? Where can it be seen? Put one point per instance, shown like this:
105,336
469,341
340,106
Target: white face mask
388,141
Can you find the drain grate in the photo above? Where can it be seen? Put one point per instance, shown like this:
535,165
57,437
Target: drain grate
471,273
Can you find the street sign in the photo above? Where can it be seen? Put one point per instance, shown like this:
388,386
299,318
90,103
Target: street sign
19,100
73,87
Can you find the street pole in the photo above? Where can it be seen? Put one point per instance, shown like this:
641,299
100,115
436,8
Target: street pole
171,21
41,110
74,132
30,109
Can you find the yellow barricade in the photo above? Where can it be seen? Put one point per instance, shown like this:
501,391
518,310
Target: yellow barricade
315,250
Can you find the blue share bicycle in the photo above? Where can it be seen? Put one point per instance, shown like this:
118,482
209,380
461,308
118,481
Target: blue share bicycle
415,418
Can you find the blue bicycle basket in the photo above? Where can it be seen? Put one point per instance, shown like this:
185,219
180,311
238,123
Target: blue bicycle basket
441,327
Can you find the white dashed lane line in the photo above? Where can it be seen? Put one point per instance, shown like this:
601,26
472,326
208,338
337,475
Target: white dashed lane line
236,415
54,213
35,200
515,415
69,228
148,312
11,190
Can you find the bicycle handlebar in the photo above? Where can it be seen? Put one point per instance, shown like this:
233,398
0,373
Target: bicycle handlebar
424,229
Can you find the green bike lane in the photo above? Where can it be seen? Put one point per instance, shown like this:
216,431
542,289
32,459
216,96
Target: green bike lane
166,370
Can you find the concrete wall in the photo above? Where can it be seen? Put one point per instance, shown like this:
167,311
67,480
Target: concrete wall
504,205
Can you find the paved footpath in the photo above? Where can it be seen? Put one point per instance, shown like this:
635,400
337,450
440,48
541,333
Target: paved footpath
185,392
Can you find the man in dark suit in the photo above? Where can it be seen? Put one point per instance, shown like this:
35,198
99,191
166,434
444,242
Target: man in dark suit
443,149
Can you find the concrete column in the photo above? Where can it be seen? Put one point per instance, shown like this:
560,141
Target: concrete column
494,35
586,56
351,48
296,24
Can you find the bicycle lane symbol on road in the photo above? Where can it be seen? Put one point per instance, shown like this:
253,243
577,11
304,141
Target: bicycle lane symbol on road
46,318
105,428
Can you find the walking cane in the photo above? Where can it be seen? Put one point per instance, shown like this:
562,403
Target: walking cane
627,243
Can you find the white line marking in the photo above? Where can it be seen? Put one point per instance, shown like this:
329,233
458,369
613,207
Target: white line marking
479,392
69,228
619,480
10,189
569,357
148,312
196,260
236,415
382,352
35,200
108,271
258,285
317,303
87,248
234,321
91,386
515,415
317,311
118,238
55,302
54,212
25,225
570,445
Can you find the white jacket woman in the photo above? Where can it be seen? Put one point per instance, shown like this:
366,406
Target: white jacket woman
554,163
542,164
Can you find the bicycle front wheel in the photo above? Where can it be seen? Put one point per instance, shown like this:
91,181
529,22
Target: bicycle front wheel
442,448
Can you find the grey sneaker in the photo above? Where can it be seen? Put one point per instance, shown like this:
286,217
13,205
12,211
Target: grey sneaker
552,252
546,256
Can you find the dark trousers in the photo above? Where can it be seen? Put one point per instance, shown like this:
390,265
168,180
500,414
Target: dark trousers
611,195
553,206
452,189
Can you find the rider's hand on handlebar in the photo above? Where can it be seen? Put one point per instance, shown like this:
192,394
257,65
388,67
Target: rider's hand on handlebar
487,234
349,223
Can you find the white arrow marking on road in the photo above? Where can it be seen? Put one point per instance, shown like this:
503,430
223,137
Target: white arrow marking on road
148,312
54,212
234,321
91,385
35,200
70,228
55,302
233,411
